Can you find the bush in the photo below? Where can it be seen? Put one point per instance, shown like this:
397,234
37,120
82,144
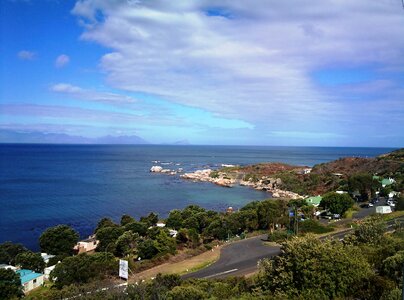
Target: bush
278,236
313,226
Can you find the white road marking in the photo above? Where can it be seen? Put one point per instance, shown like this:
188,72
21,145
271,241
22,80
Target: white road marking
221,273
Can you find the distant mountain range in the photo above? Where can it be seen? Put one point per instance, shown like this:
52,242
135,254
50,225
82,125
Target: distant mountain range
11,136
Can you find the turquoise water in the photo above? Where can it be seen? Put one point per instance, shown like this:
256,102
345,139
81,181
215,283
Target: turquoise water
45,185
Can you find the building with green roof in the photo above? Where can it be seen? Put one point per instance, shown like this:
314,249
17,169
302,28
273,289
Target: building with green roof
315,200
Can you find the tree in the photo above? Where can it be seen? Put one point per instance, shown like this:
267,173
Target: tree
137,227
58,240
150,220
174,219
10,284
8,252
105,222
126,219
311,266
392,266
126,244
147,248
31,261
400,203
337,203
364,184
369,231
108,237
83,268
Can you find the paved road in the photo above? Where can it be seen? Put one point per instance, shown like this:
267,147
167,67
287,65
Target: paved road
238,258
241,258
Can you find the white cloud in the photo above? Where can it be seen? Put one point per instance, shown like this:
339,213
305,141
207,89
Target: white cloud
249,62
26,55
91,95
62,60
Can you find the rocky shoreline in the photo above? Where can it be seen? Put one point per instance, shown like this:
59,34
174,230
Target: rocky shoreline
267,184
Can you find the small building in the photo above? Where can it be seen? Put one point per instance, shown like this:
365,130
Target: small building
46,257
341,192
173,233
383,209
229,210
30,280
47,271
8,267
315,200
387,181
161,224
393,194
87,245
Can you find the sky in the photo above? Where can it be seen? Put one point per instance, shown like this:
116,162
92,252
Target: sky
266,72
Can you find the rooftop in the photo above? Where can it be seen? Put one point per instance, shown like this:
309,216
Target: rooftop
27,275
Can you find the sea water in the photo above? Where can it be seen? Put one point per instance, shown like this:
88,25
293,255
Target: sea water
46,185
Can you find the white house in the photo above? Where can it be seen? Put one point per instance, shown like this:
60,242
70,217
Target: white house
46,257
87,245
47,271
30,280
9,267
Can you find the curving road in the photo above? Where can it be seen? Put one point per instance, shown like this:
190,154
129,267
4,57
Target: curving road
238,258
241,258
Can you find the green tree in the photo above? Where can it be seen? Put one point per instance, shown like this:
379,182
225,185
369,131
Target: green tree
150,220
400,203
369,231
83,268
31,261
337,203
364,184
108,237
126,244
10,284
147,248
8,252
126,219
105,222
309,265
137,227
392,267
58,240
174,219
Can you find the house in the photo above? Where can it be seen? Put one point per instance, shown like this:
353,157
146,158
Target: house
315,201
173,233
341,192
161,224
46,257
9,267
30,280
47,271
383,209
393,193
87,245
389,181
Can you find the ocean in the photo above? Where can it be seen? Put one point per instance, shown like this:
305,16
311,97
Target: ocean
46,185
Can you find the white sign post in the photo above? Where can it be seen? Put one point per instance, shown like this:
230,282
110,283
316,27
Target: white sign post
123,269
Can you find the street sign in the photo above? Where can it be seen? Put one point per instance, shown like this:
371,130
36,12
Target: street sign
123,269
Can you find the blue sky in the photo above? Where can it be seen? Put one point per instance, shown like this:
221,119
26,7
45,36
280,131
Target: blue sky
319,73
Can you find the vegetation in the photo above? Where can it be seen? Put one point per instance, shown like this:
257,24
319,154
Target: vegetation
58,240
83,268
8,252
10,285
31,261
337,203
